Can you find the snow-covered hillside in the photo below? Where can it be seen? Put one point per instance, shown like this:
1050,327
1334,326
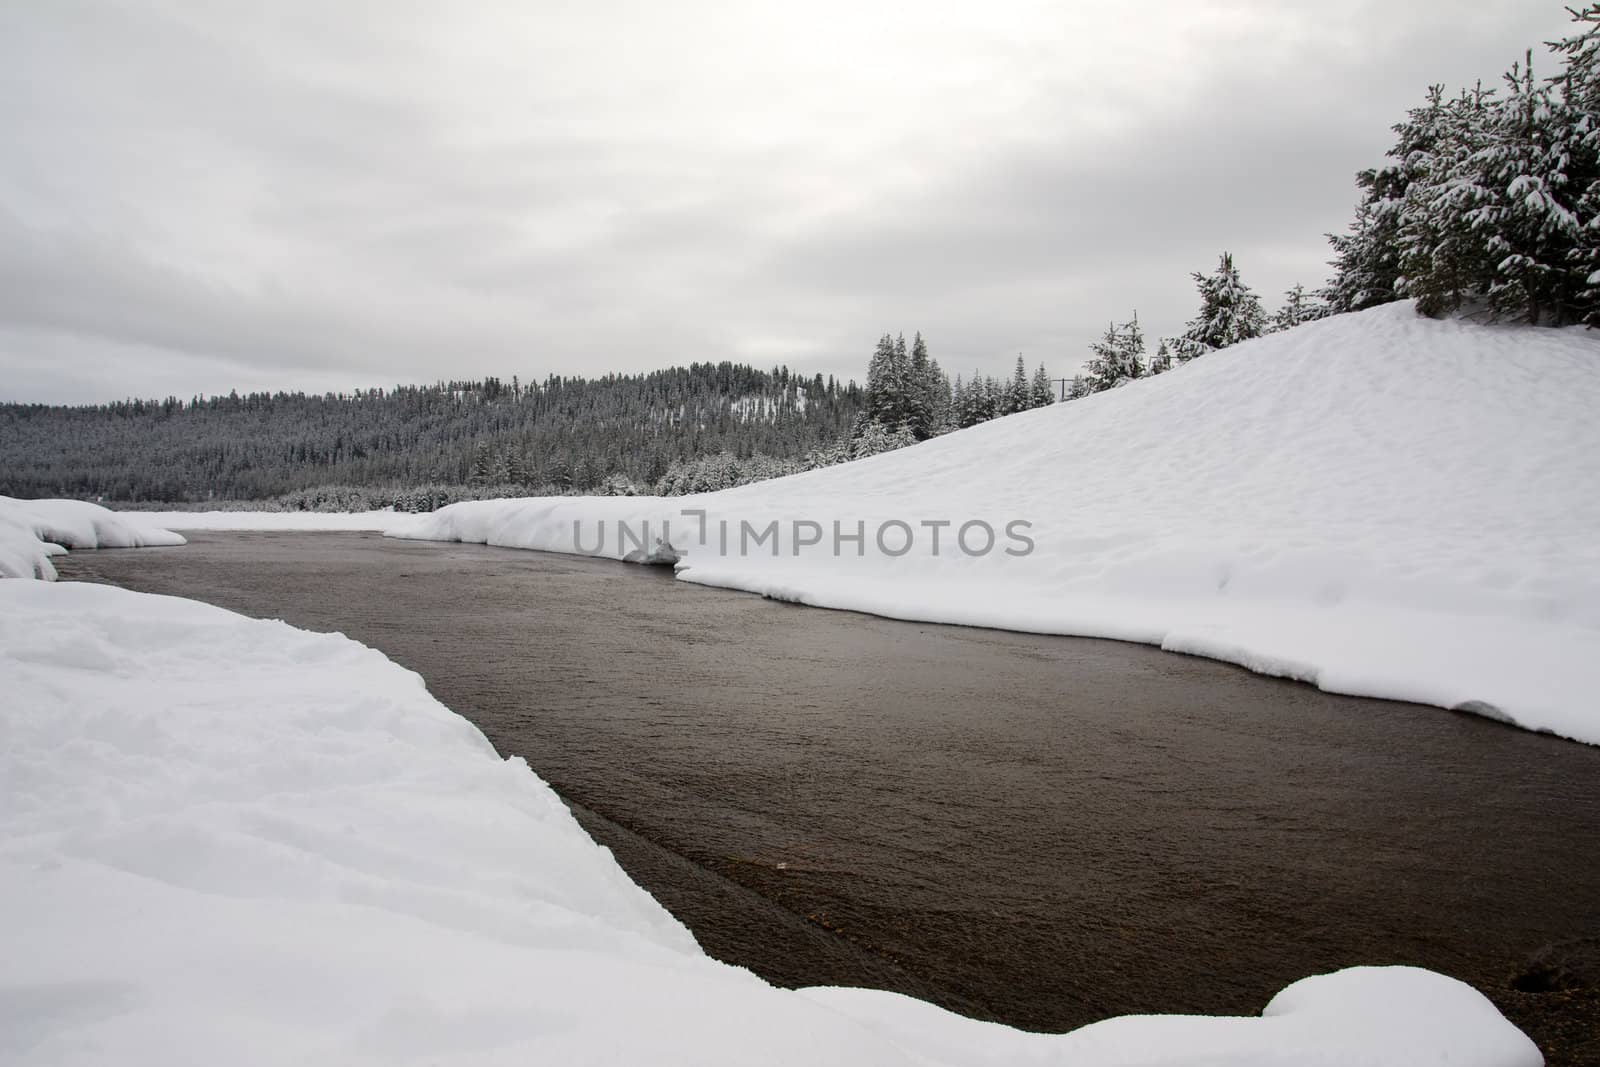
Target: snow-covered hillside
1377,503
31,531
224,840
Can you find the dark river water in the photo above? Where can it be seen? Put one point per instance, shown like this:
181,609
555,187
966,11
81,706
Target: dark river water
1043,831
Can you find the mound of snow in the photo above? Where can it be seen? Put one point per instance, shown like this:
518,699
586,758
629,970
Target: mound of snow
225,840
1377,503
31,531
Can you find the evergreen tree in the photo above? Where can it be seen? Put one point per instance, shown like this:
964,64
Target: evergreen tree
1043,388
1533,222
1578,85
1230,312
883,402
1366,263
900,388
1440,256
1117,357
939,418
919,392
1162,361
1018,395
1492,202
987,404
1298,307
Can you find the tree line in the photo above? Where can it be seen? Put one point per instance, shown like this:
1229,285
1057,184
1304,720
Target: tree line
909,397
414,446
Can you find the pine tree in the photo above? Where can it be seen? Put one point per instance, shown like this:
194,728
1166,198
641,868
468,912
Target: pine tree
1162,361
482,463
1578,86
1533,224
1298,307
1117,357
882,403
1366,263
988,402
918,402
1044,393
900,385
1441,257
1230,312
1492,201
938,399
1018,396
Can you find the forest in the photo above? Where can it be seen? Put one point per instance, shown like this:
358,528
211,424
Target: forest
418,446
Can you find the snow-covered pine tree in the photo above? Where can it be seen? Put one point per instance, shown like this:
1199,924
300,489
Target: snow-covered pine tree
881,402
987,403
1531,221
918,402
969,411
873,437
1298,307
1366,258
1018,396
1161,362
901,377
1117,357
482,465
1578,85
1044,393
1441,257
938,399
1230,312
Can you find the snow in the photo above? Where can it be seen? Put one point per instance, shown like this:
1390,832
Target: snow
31,531
1377,503
225,840
303,521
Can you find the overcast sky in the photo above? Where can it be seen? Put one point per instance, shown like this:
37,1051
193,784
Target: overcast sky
202,196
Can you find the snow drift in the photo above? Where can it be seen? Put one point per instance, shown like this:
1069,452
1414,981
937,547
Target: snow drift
1377,503
225,840
31,531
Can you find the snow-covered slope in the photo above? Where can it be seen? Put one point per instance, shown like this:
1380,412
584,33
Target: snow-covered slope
31,531
224,840
1376,503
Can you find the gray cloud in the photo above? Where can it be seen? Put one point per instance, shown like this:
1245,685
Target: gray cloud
197,197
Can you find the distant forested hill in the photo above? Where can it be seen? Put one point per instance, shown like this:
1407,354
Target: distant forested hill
615,433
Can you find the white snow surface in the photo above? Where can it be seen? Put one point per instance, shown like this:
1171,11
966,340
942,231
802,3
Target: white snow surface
225,840
1377,503
31,531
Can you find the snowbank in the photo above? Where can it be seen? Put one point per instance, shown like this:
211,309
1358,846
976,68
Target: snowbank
225,840
304,521
1378,503
31,531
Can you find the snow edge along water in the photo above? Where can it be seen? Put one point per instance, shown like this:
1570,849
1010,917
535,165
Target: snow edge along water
1378,504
